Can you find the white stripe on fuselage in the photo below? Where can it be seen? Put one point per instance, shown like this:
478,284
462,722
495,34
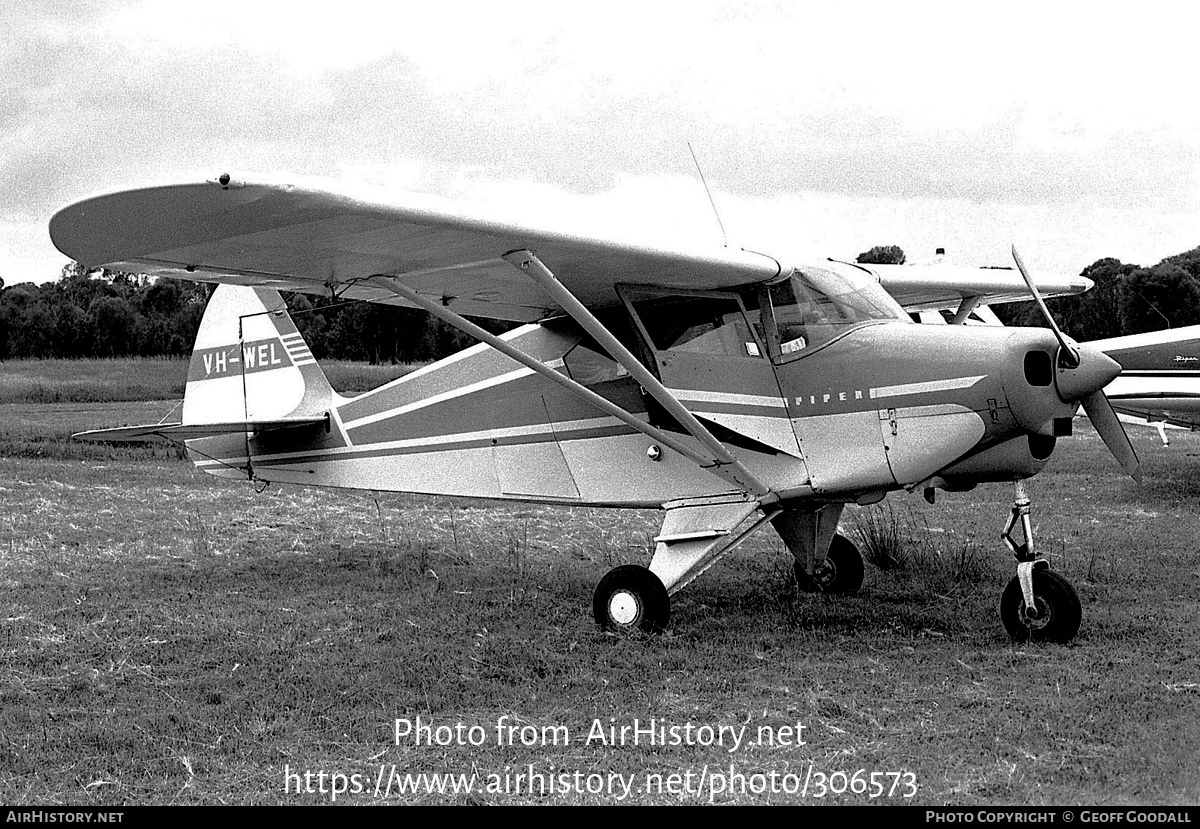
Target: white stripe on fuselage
472,351
561,429
497,380
728,397
926,388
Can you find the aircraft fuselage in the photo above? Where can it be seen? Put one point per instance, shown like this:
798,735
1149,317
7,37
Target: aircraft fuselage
865,413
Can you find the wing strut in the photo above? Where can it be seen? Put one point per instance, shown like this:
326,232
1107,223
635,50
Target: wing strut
969,304
438,310
734,469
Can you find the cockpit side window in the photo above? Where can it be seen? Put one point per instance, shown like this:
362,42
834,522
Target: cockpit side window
793,315
815,306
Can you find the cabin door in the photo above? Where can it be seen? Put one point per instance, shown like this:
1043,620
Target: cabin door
709,350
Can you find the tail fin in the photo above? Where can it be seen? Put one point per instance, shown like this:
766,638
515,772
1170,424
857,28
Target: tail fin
253,388
251,370
250,363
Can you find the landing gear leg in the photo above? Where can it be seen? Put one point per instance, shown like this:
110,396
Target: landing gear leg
825,561
840,572
695,534
1038,604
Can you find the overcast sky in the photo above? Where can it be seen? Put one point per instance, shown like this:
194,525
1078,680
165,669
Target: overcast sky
823,129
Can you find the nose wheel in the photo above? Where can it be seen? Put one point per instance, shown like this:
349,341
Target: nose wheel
1053,615
631,598
1038,605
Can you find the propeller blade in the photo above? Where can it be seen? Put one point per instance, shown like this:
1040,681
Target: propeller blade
1062,340
1105,419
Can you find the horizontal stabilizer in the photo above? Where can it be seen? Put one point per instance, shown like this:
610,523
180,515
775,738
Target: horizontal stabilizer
191,431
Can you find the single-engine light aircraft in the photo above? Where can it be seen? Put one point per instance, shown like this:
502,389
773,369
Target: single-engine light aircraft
728,388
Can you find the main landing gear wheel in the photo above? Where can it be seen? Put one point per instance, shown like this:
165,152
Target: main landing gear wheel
631,598
841,572
1055,616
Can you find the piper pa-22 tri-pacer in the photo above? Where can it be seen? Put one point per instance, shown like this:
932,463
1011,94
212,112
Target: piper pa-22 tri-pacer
728,388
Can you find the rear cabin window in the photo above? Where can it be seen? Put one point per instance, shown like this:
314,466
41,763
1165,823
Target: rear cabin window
589,365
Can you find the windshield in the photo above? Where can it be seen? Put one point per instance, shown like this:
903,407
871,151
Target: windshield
815,305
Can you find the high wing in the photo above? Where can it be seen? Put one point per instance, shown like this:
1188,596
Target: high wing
326,242
316,241
941,286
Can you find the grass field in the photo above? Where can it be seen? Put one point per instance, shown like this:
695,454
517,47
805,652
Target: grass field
43,402
172,638
138,379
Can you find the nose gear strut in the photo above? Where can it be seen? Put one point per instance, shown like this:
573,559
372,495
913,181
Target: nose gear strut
1020,514
1038,603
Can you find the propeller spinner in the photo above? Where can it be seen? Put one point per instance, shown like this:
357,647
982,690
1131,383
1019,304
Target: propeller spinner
1082,372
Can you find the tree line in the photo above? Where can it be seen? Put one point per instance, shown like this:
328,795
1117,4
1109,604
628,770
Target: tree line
112,314
104,313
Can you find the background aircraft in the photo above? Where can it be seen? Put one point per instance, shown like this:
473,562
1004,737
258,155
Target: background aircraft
728,388
1159,382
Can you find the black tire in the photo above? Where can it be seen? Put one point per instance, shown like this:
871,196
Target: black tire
840,573
1059,610
631,598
